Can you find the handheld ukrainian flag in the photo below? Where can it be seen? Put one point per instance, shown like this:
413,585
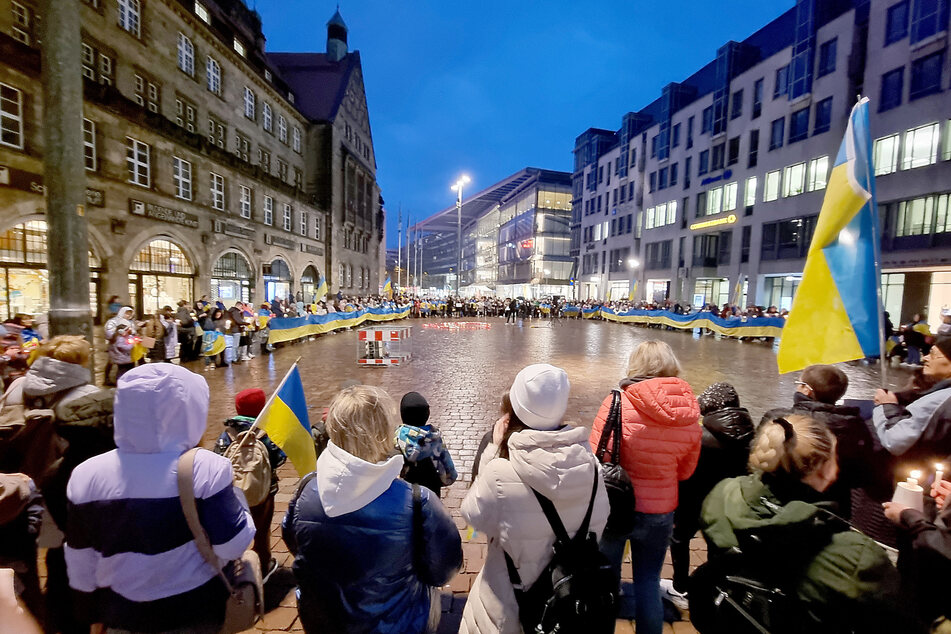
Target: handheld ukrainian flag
388,288
835,314
633,291
321,288
285,420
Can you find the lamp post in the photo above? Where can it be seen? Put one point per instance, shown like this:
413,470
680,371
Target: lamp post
632,264
463,180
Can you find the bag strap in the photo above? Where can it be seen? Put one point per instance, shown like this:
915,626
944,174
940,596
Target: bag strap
554,520
186,493
614,416
616,449
419,538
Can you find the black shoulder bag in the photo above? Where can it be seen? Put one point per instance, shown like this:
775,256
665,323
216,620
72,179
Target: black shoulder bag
419,539
616,480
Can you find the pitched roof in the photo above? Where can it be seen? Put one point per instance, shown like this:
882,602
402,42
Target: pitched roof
319,84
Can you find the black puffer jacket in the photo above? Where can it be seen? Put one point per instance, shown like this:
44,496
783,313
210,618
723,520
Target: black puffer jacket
925,559
724,453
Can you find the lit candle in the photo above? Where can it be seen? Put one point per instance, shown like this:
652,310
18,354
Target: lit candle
915,476
938,473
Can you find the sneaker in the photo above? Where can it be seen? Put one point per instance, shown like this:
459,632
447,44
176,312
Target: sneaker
271,569
679,599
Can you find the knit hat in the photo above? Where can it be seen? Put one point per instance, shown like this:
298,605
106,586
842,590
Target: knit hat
718,396
943,343
250,402
539,396
414,409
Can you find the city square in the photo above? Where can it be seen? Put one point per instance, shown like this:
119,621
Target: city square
488,318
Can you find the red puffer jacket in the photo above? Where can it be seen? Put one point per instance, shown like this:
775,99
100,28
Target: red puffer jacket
660,438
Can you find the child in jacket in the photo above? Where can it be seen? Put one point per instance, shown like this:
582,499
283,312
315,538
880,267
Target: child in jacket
427,461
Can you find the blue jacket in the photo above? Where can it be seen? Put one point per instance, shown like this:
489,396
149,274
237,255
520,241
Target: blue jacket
351,531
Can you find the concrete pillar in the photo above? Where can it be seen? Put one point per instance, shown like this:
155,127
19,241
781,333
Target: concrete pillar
64,170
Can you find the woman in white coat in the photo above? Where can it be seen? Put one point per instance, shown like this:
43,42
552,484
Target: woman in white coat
531,449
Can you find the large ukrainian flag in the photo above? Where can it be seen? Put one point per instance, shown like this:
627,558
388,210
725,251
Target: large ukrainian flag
286,422
835,314
388,288
321,288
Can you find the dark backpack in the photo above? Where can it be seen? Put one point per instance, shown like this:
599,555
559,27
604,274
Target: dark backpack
577,591
617,482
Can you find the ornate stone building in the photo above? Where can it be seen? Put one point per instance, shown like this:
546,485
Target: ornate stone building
207,171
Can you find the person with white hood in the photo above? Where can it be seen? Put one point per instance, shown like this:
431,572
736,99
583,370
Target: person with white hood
369,548
129,552
119,331
532,448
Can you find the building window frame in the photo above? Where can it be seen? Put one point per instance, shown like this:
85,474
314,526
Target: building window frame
886,151
130,17
268,206
182,178
186,55
11,116
267,117
89,145
288,217
249,103
818,174
213,75
217,189
920,147
138,162
244,200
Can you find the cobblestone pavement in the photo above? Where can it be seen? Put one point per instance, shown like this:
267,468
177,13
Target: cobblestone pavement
463,372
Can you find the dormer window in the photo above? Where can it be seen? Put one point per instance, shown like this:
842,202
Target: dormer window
239,47
202,12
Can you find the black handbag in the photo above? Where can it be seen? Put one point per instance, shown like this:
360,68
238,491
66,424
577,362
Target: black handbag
616,480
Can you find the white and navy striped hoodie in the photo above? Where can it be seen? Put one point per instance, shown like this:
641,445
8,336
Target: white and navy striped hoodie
128,548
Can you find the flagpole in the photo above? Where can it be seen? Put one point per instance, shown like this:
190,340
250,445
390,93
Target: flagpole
275,393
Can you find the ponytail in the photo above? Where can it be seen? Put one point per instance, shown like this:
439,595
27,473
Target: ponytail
797,445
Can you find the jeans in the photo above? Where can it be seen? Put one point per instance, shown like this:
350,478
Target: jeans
649,541
914,355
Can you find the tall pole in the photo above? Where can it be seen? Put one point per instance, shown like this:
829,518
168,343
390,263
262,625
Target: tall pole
399,243
408,269
458,235
64,173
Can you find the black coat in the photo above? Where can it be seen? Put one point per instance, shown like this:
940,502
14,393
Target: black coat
724,453
925,559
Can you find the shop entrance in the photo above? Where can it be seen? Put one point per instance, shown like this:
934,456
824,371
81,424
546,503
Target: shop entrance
232,279
278,282
308,284
161,275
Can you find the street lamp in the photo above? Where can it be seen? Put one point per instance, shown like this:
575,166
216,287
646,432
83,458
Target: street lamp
463,180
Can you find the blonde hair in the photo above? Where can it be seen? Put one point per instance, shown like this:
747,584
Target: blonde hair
362,421
653,359
797,445
68,348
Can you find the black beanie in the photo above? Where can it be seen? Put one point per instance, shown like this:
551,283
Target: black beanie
943,344
414,409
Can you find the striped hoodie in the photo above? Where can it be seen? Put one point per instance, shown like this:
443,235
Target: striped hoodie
129,551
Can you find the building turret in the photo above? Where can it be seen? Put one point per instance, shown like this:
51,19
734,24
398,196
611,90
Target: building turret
336,38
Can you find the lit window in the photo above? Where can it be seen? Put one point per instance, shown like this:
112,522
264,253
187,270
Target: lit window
922,216
186,54
11,117
268,211
886,155
249,100
729,196
89,144
217,191
239,47
266,117
714,201
671,212
137,162
749,196
771,190
129,16
213,76
182,178
202,12
794,179
921,147
245,202
288,212
818,173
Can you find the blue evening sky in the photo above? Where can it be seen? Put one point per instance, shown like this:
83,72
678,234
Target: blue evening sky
487,87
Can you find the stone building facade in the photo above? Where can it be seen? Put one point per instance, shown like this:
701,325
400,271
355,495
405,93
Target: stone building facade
203,172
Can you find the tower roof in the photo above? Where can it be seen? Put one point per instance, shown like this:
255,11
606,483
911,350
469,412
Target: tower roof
337,20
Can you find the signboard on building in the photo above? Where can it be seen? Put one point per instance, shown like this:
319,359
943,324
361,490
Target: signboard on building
29,182
162,214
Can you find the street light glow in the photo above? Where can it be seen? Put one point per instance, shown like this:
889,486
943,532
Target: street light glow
633,263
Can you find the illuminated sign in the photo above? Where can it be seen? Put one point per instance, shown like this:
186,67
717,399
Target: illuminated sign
706,224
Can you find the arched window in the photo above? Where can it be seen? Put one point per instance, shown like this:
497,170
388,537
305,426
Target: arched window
162,256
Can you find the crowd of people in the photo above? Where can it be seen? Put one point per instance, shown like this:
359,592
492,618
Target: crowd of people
795,508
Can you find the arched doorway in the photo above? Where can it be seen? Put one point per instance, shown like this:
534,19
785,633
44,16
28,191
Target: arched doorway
161,274
308,284
278,282
24,276
232,279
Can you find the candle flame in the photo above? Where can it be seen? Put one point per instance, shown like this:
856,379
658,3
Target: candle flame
915,474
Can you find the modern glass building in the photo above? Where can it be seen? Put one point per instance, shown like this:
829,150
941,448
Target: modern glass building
515,240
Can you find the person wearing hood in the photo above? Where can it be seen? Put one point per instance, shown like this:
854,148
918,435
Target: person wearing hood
660,446
129,552
81,427
724,452
119,331
531,448
772,527
363,562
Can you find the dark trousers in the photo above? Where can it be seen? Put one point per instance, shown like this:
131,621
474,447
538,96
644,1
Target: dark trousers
262,514
60,611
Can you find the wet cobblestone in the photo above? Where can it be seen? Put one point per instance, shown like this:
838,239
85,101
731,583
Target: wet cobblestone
463,374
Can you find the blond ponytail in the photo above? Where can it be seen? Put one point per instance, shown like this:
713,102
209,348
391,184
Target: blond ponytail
797,445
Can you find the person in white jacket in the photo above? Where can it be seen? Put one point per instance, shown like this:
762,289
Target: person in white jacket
531,449
129,551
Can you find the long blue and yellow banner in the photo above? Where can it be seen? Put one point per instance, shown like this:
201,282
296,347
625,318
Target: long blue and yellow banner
288,329
731,327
